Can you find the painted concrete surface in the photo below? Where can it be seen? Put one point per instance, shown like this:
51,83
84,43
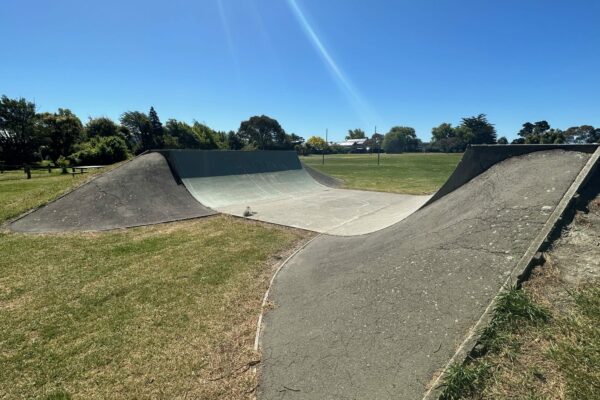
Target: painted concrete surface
294,198
376,316
140,192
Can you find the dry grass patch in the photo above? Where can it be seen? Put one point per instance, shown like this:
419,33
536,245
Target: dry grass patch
554,359
159,312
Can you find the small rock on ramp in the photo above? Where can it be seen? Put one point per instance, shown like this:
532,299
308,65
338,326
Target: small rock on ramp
376,316
142,191
279,190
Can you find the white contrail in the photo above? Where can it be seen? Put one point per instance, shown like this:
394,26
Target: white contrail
356,100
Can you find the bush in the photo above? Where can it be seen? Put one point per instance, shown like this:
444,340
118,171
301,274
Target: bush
62,163
101,150
112,149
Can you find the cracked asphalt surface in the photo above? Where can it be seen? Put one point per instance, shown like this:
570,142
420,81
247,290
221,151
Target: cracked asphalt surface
140,192
376,316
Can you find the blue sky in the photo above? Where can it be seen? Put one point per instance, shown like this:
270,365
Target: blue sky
311,64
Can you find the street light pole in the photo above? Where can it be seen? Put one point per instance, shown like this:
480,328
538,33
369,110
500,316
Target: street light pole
324,147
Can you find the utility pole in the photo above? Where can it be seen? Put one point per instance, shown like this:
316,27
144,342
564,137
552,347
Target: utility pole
378,146
324,147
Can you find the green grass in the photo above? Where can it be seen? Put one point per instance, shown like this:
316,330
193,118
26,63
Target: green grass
158,312
410,173
18,194
514,310
464,380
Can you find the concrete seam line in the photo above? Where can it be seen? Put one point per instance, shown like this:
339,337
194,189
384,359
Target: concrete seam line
472,337
266,296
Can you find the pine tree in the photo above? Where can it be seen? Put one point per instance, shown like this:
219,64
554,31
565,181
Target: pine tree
156,129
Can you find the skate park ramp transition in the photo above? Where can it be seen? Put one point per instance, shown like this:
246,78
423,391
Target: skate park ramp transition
275,187
381,316
139,192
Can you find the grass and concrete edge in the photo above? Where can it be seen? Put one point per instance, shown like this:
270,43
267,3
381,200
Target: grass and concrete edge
259,323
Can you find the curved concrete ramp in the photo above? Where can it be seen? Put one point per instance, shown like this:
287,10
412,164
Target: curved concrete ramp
279,190
140,192
376,316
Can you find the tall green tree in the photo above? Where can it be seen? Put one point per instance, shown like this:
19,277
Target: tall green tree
20,137
355,134
482,131
263,132
101,127
540,132
583,134
62,131
156,127
234,142
401,139
179,135
449,139
208,137
443,131
138,124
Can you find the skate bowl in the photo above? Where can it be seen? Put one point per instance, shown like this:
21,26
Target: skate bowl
171,185
273,186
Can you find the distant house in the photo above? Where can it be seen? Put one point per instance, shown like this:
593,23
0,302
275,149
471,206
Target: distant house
355,145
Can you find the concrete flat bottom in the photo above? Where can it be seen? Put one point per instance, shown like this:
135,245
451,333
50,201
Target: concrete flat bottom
294,198
333,211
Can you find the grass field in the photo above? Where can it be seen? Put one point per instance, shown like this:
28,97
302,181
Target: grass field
159,312
18,194
410,173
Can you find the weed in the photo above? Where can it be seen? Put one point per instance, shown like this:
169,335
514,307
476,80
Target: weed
463,380
513,309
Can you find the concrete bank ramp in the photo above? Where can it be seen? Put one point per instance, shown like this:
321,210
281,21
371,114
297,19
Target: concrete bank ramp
279,190
140,192
377,316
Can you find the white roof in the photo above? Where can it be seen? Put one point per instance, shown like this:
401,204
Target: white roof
352,142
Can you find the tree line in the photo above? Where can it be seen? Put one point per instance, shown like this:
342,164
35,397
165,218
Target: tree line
452,139
28,136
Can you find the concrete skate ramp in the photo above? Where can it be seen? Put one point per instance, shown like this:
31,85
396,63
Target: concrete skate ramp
478,158
140,192
377,316
279,190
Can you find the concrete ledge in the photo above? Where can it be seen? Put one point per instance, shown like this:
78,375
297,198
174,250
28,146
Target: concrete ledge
478,158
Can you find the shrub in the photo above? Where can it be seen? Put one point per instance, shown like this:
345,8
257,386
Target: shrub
62,163
101,150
